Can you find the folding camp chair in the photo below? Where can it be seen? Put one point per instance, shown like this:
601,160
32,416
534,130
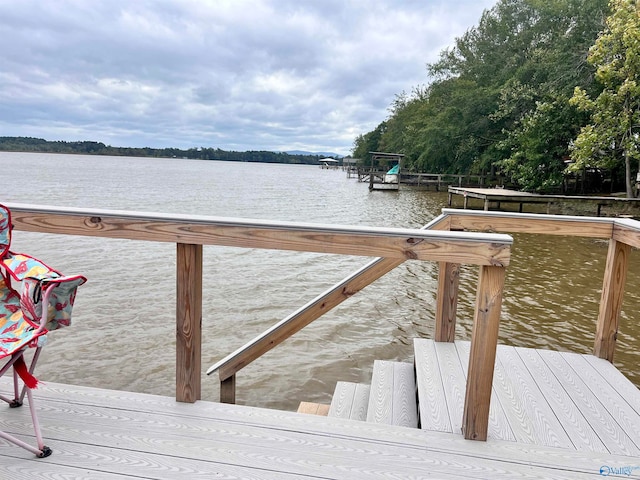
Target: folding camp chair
34,299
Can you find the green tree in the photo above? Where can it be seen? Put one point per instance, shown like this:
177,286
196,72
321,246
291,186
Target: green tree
611,137
499,97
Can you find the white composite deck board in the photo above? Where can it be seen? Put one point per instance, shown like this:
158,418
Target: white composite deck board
381,394
433,406
615,380
405,407
106,434
500,427
342,399
176,448
582,436
624,414
453,378
360,402
605,426
350,400
392,398
529,405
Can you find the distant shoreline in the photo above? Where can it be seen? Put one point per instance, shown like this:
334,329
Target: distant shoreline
39,145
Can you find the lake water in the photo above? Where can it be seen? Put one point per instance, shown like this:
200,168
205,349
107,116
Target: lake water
123,335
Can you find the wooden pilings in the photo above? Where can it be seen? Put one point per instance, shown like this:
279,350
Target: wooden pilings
188,322
484,339
484,342
615,276
447,302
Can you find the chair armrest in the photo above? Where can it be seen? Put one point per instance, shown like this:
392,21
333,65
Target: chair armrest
46,297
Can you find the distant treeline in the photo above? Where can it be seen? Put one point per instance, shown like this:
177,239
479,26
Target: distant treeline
28,144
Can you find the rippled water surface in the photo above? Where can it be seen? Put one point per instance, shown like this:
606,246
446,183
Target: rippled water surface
123,333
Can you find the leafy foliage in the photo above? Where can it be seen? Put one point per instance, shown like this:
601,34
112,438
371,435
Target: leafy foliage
499,101
611,137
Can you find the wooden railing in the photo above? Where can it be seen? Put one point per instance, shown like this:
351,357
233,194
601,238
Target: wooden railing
449,240
622,234
189,232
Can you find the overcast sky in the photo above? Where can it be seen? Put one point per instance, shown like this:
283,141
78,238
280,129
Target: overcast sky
230,74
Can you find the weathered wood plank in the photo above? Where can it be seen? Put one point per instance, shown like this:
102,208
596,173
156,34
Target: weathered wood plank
188,322
615,277
431,395
484,340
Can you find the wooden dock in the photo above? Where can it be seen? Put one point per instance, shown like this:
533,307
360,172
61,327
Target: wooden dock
543,414
556,416
494,197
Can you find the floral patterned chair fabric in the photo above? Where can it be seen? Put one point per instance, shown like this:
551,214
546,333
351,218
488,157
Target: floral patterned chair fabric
34,300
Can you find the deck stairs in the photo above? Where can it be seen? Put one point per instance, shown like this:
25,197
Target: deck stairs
390,399
539,397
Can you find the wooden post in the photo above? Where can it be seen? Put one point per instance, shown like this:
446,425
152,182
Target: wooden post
615,275
188,322
484,342
228,390
447,302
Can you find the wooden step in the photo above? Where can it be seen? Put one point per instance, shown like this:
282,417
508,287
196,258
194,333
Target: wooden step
392,399
313,408
350,400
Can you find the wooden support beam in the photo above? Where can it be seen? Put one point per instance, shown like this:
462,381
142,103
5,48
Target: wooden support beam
615,276
484,342
188,322
447,302
228,390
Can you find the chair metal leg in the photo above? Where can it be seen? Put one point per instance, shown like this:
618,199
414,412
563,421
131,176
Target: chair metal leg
32,367
41,451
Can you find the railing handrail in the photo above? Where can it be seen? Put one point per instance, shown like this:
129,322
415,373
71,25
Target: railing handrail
405,243
306,314
600,227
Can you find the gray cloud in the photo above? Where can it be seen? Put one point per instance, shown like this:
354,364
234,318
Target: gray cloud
231,74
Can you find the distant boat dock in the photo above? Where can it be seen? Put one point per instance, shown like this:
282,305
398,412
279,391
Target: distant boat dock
495,197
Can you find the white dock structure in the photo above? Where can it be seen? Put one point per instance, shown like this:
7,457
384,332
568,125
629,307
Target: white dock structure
546,422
